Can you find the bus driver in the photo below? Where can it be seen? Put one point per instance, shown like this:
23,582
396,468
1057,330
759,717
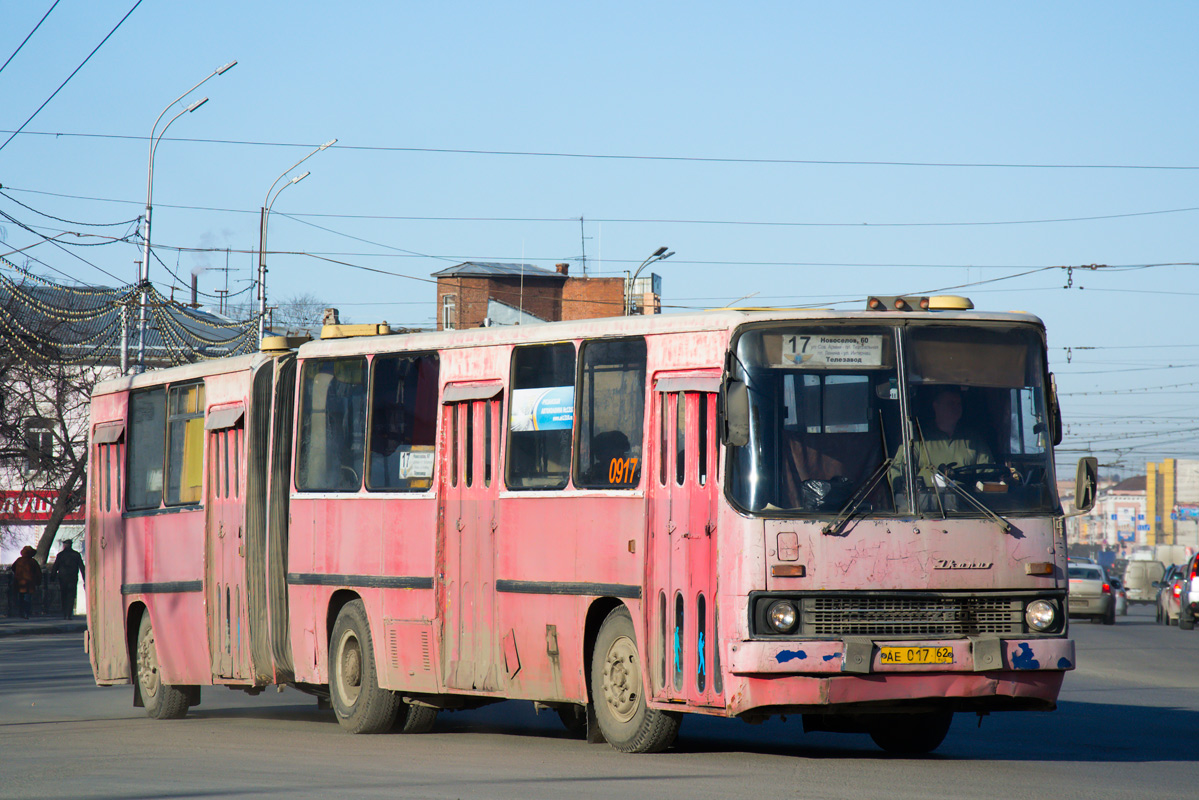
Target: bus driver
946,443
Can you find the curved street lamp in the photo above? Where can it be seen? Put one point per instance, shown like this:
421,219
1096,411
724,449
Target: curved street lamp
144,274
267,203
658,255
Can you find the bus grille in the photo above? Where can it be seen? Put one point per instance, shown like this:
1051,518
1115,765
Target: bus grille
911,616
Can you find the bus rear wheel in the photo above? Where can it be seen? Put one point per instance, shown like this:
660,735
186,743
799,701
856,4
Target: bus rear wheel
411,718
617,691
360,704
162,701
911,734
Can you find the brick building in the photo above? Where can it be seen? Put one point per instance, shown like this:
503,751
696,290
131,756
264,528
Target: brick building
475,294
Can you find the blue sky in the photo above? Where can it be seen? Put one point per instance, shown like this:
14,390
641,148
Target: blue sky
800,86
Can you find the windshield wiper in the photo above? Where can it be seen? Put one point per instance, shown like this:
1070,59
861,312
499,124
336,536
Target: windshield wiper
1004,525
843,517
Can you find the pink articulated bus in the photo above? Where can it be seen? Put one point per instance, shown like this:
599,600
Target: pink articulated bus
851,516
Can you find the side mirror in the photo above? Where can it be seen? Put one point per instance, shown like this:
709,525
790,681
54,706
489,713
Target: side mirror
1055,412
1086,482
736,414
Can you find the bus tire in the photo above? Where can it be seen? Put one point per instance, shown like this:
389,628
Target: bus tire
414,719
621,711
574,719
162,700
911,734
360,704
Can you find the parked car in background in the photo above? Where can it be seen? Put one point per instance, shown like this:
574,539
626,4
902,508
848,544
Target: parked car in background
1169,592
1090,593
1120,595
1188,605
1139,577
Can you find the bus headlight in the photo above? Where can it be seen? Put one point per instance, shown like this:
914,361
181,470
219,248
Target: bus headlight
1040,615
782,616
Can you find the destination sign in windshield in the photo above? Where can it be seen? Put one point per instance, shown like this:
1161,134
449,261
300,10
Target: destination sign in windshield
827,350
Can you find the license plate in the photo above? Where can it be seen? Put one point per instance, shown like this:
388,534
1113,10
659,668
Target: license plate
916,655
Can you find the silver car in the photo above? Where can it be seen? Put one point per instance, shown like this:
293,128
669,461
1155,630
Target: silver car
1090,593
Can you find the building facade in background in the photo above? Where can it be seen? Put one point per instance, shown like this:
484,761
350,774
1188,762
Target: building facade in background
1172,494
1118,520
481,294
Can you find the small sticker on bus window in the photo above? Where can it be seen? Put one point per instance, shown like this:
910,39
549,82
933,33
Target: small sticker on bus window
824,350
416,463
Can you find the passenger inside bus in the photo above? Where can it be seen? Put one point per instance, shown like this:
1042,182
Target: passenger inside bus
606,448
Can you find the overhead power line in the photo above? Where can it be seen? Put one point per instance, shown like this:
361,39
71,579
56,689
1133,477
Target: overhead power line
637,157
632,220
27,38
72,75
7,196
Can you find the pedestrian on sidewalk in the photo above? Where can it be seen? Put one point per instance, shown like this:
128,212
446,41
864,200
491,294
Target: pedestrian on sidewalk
69,569
27,575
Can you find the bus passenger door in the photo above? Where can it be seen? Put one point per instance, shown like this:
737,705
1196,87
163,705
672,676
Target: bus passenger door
225,567
469,485
105,551
682,612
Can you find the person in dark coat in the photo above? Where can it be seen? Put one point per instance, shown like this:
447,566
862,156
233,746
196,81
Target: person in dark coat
69,569
27,575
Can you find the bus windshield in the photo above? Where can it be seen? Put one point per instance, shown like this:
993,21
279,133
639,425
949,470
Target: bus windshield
824,415
979,420
827,421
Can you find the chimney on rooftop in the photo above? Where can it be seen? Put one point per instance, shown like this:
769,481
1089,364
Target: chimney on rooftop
563,269
195,291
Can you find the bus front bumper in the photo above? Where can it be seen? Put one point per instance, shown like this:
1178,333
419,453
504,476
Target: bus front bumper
986,673
863,655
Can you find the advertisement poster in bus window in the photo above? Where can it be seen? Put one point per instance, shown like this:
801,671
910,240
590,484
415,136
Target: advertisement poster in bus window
824,350
545,409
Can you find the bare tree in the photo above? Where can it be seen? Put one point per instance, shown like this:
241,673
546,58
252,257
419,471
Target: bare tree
300,315
297,315
48,368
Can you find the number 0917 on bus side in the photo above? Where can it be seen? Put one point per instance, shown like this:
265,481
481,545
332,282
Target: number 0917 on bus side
916,655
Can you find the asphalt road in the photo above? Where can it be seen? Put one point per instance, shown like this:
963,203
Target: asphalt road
1127,727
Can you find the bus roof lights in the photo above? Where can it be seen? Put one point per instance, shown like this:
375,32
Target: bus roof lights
944,302
281,344
949,302
346,331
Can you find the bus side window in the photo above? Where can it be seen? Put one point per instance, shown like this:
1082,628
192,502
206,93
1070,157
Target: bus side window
185,443
541,417
403,422
332,443
147,442
611,414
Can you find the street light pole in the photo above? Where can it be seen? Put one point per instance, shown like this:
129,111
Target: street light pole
658,255
144,273
267,203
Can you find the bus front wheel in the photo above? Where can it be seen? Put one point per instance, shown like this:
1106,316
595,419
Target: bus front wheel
162,701
360,704
911,734
621,711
